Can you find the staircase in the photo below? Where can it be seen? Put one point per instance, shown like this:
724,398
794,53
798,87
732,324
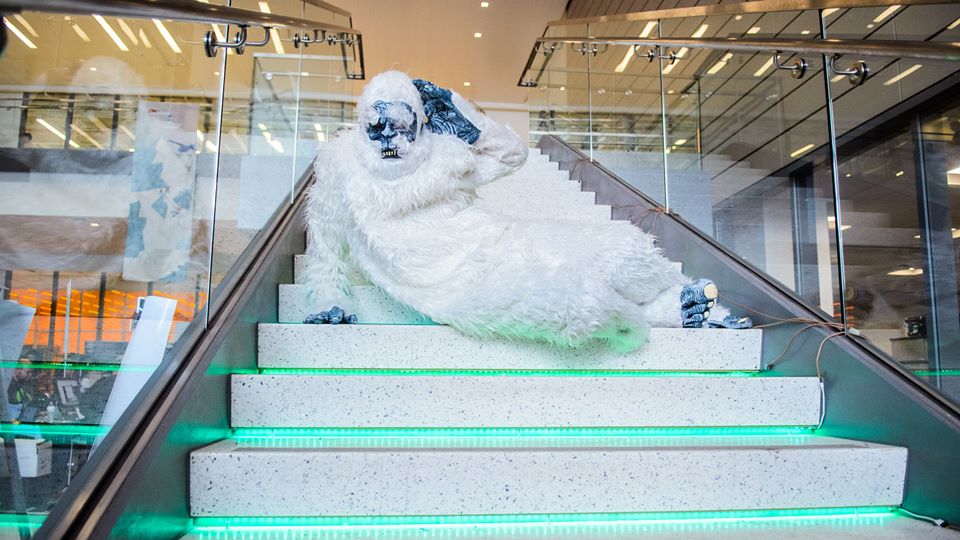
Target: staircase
399,422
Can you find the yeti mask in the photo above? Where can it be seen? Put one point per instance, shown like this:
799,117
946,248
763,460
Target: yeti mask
395,127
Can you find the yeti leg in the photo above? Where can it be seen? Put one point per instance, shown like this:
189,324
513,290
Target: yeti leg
664,310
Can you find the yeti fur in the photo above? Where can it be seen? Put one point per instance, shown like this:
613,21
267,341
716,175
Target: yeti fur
411,227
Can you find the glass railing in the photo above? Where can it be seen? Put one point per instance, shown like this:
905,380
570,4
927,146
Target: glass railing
840,190
135,173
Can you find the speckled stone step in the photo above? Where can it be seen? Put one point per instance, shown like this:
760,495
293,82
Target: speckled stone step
369,303
300,264
228,479
385,346
384,401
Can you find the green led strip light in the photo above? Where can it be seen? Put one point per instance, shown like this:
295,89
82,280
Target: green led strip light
54,430
502,372
72,366
19,520
735,431
223,524
940,373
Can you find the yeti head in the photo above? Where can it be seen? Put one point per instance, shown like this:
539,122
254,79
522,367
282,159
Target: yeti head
391,122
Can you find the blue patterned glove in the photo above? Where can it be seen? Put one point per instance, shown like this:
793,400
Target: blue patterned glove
336,315
442,116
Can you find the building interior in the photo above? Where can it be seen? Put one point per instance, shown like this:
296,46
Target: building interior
163,377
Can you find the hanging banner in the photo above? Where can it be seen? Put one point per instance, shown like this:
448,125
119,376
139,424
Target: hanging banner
160,222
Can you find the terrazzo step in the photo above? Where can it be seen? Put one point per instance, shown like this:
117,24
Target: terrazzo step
511,401
369,303
660,475
300,265
387,346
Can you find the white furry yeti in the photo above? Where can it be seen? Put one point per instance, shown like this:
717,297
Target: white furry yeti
395,200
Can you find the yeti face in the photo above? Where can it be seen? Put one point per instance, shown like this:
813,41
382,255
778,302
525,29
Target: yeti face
393,128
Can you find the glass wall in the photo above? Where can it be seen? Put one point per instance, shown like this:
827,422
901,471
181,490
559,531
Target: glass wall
135,172
859,225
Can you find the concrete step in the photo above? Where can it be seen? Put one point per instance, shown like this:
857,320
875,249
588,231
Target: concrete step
449,401
660,475
369,303
389,346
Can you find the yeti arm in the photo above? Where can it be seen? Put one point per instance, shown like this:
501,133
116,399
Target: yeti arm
499,151
326,277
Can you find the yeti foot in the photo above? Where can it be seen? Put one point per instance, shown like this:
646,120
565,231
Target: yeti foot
336,315
700,291
732,322
696,300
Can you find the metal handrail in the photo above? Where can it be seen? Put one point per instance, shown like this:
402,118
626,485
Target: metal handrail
175,10
740,8
831,48
931,50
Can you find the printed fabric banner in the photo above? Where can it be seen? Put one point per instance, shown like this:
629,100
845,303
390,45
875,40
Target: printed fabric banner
160,224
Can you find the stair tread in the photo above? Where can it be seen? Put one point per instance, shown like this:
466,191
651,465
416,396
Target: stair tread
524,443
515,401
435,346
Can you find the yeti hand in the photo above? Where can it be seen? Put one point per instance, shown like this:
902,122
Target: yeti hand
336,315
442,116
696,299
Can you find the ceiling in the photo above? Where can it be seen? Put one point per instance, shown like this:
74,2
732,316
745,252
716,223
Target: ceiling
434,39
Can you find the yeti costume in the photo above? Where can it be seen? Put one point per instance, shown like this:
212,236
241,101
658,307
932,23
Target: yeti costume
396,202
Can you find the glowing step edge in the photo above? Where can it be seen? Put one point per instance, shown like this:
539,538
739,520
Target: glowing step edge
442,433
495,372
239,524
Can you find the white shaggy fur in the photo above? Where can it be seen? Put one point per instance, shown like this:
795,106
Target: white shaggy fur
411,227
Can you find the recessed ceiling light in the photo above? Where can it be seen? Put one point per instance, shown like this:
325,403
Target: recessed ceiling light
909,271
94,224
830,11
83,35
112,33
763,69
16,31
899,173
804,32
886,13
466,83
562,88
905,73
738,18
680,142
700,31
477,34
799,151
754,30
484,4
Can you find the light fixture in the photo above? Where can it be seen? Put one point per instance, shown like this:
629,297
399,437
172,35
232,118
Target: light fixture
477,35
754,30
466,83
484,4
562,88
628,93
800,151
837,78
23,22
111,32
622,66
218,32
93,69
719,65
871,25
648,28
954,24
670,92
56,132
85,135
830,11
16,31
848,175
167,36
804,32
274,34
682,52
128,31
680,142
128,133
886,13
903,74
83,35
143,38
669,68
700,31
899,174
738,18
763,69
94,224
909,271
304,73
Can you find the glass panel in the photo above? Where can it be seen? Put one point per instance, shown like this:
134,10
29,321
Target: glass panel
564,93
748,153
107,165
